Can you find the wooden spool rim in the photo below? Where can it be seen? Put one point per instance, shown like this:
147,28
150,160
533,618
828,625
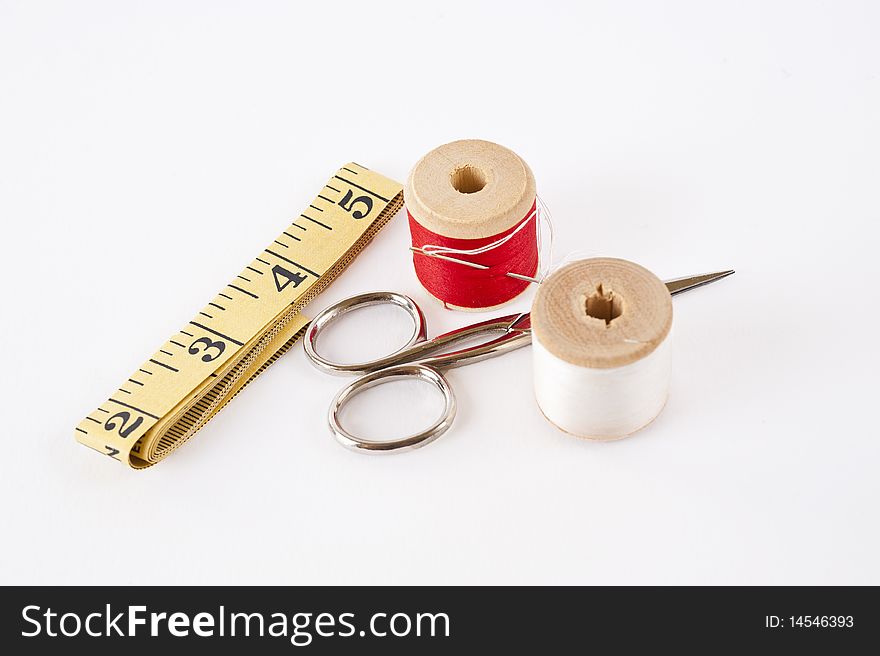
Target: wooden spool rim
562,323
470,189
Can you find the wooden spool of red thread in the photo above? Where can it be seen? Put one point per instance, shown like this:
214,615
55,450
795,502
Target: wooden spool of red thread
465,195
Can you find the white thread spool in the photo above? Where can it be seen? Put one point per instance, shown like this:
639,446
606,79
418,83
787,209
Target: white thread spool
602,347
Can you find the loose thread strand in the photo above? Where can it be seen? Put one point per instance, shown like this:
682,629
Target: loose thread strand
542,213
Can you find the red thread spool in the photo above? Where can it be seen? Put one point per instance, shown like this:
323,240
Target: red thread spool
465,195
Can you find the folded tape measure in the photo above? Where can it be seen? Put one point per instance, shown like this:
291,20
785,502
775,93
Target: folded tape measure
252,322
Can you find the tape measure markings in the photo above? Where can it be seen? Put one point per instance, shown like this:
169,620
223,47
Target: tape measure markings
323,225
226,347
289,261
132,407
215,333
162,364
373,193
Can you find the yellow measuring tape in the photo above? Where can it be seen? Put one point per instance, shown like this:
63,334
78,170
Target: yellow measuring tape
252,322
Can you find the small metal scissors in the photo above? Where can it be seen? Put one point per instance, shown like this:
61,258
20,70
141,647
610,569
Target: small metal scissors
413,359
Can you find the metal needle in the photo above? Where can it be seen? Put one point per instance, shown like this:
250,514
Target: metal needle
675,286
679,285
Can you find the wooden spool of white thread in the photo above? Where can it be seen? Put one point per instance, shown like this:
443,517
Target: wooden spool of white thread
601,347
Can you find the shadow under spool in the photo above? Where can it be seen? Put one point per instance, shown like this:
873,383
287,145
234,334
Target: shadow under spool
465,195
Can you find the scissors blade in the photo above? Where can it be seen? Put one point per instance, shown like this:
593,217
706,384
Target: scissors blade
679,285
523,322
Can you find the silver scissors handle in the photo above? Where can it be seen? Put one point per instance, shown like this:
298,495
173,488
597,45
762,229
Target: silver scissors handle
413,441
412,360
514,329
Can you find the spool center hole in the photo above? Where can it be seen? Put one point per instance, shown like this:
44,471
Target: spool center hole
468,179
604,304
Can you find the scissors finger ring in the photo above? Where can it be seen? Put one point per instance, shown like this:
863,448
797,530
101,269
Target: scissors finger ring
412,360
396,372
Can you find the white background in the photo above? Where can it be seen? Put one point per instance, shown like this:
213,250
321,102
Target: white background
148,150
